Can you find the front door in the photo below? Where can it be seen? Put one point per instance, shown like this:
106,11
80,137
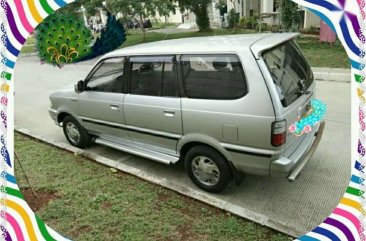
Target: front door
101,102
152,109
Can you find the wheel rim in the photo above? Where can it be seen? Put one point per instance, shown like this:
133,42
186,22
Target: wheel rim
73,133
205,170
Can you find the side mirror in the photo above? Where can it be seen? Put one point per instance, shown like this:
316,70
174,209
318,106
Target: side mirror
80,86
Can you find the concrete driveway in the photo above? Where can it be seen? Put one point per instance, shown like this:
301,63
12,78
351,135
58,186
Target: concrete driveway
293,208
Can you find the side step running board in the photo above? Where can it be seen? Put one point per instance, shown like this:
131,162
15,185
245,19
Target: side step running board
155,156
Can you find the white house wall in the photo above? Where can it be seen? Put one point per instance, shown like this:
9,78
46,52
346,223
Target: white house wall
174,18
235,4
267,6
214,14
254,5
243,7
311,20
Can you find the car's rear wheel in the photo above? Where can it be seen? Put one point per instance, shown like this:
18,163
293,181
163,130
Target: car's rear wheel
207,168
75,134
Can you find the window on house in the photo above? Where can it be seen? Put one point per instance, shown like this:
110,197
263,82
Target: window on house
276,5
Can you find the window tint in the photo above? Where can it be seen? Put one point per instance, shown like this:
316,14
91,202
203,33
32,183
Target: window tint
108,76
153,76
213,76
290,71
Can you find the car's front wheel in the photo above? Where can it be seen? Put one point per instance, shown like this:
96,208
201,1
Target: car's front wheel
75,134
207,168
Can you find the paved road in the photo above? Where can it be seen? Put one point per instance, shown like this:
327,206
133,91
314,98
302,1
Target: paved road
298,206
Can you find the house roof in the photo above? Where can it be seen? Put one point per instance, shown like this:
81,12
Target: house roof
211,44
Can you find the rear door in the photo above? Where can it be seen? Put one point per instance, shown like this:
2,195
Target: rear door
293,83
152,109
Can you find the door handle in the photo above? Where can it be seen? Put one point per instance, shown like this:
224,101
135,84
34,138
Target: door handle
114,107
169,113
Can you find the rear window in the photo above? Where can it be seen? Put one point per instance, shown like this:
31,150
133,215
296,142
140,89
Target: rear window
290,71
213,76
154,76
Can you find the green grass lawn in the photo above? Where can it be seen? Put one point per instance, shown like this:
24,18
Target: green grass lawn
324,55
31,40
27,49
160,25
29,46
90,202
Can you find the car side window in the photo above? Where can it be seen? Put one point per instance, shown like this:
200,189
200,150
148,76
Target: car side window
213,76
107,77
153,76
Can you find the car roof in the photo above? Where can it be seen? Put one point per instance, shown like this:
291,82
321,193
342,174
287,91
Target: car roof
211,44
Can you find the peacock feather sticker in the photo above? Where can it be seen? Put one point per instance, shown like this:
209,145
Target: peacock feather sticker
63,39
314,113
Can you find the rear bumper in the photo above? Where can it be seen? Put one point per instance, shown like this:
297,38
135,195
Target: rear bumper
292,166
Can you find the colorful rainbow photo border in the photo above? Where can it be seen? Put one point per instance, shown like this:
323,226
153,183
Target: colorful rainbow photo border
18,19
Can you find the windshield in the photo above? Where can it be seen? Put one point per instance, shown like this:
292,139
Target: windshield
290,71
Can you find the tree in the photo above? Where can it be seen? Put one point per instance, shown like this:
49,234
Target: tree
199,8
141,9
290,17
91,6
233,19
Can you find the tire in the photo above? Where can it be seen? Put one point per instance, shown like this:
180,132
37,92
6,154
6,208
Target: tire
75,134
207,168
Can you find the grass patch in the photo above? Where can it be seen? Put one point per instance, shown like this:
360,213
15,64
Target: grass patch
29,46
160,25
31,40
89,202
26,49
322,54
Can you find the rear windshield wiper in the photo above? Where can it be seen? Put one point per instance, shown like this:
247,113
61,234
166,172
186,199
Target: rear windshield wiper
302,88
301,92
306,92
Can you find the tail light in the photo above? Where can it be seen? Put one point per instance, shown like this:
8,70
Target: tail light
279,132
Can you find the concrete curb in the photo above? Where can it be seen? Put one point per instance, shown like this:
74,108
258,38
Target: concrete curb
332,74
186,191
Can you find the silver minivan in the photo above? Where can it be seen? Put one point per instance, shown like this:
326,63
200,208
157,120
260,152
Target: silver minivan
223,105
